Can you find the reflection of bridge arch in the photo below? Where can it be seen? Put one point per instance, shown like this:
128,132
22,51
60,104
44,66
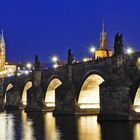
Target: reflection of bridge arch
89,91
50,91
26,87
9,86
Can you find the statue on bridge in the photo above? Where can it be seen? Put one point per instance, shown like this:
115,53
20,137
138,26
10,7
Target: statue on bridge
118,52
37,63
118,44
70,57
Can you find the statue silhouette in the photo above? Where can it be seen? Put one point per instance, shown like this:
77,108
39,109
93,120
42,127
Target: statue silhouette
37,63
70,57
118,44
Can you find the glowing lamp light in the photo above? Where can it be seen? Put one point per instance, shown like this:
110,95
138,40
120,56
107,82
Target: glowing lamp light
55,66
18,74
26,72
29,65
54,59
92,49
129,51
10,70
138,60
85,59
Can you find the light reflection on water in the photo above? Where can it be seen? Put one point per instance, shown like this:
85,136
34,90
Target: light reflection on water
43,126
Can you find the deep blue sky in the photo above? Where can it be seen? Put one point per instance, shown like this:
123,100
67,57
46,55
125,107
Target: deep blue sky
50,27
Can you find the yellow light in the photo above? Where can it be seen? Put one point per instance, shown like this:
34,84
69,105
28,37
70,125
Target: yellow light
85,59
137,109
129,51
89,106
138,60
27,86
29,65
89,93
50,104
50,93
18,74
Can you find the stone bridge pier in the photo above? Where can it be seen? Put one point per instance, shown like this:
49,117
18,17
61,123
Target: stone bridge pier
120,94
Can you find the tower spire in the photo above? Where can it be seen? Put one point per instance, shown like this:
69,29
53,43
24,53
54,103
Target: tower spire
103,38
2,36
103,27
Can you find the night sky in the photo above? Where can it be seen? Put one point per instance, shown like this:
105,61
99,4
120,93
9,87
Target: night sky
50,27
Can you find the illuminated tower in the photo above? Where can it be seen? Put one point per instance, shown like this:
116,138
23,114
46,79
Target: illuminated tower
2,52
103,39
103,51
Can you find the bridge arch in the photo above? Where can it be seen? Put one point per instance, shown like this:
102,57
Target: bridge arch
136,104
49,97
8,87
89,90
28,84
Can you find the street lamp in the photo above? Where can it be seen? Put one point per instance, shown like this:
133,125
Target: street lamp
54,59
55,65
85,59
28,65
92,49
129,51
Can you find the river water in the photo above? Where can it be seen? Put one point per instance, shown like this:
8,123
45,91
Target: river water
18,125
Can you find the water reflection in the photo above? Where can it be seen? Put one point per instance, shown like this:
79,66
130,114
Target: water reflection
88,128
43,126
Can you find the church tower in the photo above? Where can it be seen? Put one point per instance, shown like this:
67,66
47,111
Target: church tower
103,39
2,52
103,51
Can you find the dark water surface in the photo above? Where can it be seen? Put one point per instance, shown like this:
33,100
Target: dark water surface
43,126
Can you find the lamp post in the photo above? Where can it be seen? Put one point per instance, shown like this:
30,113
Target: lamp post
92,50
55,60
129,51
29,65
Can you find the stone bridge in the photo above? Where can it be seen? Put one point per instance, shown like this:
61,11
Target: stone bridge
109,87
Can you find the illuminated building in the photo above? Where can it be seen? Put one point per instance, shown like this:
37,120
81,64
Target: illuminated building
5,68
103,51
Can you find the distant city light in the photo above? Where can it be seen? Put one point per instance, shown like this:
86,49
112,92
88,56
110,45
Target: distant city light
54,59
26,72
29,65
92,49
85,59
18,74
55,65
129,51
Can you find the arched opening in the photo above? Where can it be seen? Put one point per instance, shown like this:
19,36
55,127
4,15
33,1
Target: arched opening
136,105
7,89
27,86
50,93
89,94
